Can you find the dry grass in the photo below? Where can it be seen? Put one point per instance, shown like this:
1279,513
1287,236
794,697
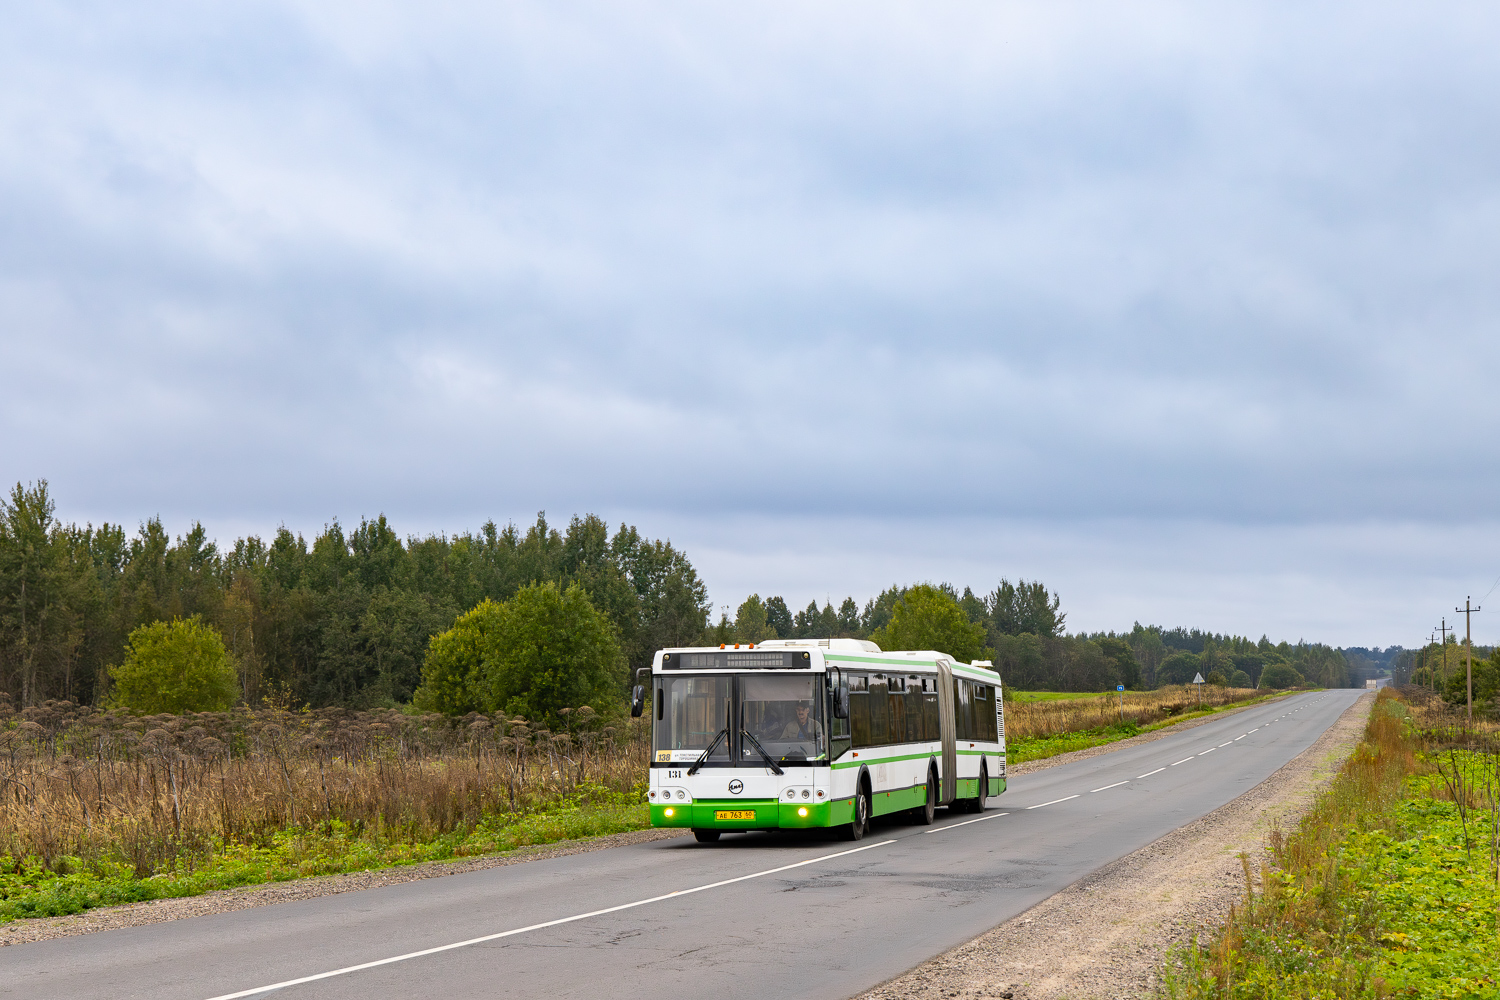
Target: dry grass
78,785
1030,720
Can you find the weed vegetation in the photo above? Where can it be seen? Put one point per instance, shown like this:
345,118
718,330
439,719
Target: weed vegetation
104,807
1387,888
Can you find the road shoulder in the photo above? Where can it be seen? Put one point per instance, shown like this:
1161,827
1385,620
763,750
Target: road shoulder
1105,936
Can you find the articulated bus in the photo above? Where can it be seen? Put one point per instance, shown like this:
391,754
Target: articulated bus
801,733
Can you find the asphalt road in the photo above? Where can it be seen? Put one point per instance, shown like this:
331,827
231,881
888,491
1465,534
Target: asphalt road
755,916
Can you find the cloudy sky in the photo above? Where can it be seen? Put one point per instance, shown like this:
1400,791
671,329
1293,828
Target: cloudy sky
1188,310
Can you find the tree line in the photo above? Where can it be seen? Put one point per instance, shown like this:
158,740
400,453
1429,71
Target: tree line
492,620
344,620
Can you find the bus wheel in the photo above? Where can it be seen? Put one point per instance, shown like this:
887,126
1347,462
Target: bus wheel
925,813
978,801
706,836
861,824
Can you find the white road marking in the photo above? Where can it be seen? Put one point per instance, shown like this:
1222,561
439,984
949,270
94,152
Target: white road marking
1182,761
1239,737
1052,803
536,927
1150,773
1221,745
1108,787
1255,730
955,826
1209,750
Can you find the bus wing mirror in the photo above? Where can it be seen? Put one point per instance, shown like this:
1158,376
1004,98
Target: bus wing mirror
840,694
637,701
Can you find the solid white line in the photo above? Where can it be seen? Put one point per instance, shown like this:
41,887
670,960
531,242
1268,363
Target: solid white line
1052,803
1108,787
955,826
1150,773
536,927
1182,761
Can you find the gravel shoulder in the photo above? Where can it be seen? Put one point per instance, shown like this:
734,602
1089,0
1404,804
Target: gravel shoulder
1106,935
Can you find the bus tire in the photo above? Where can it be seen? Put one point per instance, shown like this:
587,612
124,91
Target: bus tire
976,804
924,814
861,825
706,836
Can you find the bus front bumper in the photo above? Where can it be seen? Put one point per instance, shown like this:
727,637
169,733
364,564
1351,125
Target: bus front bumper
764,814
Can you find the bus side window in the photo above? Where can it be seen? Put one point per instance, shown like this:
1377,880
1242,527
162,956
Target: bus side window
963,709
880,712
984,712
932,721
897,688
859,709
914,733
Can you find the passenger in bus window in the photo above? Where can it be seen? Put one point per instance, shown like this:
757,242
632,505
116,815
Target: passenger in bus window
804,726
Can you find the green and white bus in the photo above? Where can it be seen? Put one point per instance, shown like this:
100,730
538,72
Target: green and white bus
801,733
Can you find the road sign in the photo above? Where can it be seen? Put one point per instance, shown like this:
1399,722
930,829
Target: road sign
1119,687
1198,679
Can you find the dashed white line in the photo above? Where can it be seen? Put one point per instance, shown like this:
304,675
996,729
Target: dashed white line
1223,745
1255,730
1209,750
1182,761
1108,787
1038,805
954,826
536,927
1239,737
1150,773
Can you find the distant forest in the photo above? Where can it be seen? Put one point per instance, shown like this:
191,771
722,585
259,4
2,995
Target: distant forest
345,620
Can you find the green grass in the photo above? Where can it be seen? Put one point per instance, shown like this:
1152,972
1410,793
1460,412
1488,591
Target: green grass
1026,697
29,890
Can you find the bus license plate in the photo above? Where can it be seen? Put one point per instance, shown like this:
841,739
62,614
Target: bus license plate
734,814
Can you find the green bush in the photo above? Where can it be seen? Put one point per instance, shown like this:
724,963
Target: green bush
1279,676
176,666
543,650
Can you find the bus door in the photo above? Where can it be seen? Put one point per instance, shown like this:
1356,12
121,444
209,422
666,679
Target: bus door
947,733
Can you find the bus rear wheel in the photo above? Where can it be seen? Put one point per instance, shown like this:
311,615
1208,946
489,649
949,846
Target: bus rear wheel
976,804
706,836
925,813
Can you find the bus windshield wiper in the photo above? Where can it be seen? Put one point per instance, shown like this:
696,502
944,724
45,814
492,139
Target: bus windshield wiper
699,762
756,743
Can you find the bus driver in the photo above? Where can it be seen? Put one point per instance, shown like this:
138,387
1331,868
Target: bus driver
804,726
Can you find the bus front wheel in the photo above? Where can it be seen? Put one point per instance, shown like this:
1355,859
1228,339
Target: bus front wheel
861,825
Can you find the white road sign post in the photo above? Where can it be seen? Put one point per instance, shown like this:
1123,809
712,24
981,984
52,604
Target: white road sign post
1120,690
1198,680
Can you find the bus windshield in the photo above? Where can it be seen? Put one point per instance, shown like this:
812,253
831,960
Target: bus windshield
783,716
780,715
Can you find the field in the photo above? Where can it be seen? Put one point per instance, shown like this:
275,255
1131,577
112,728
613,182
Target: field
1388,888
1039,725
102,807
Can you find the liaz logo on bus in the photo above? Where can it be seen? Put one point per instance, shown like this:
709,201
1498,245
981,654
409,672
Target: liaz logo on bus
736,786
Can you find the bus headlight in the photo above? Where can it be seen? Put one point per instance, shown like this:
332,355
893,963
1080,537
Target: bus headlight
802,811
667,811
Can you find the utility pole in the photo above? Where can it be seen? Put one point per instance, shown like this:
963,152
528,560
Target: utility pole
1469,649
1444,629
